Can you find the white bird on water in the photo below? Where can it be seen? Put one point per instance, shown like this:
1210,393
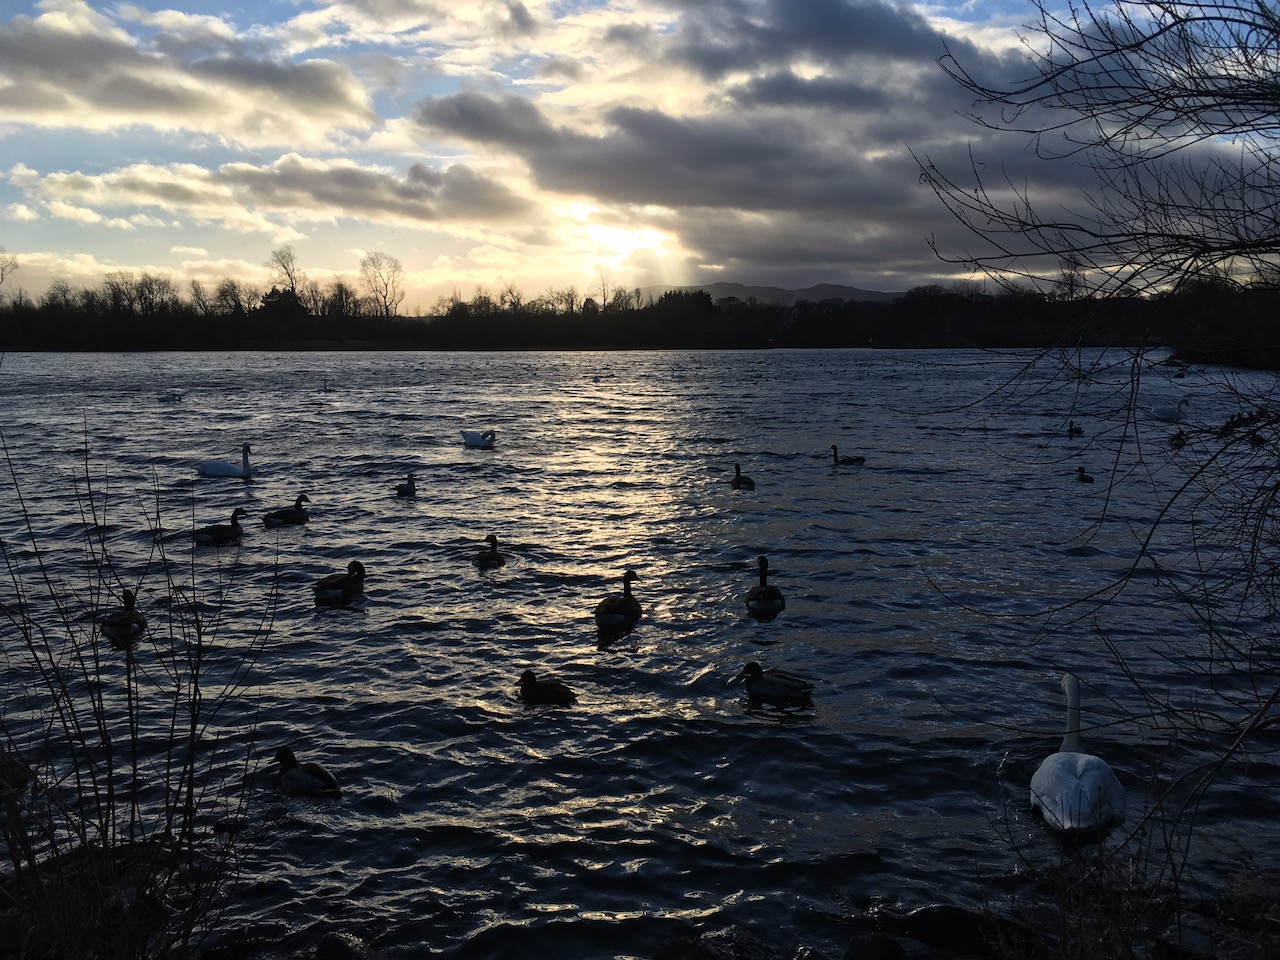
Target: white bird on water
1170,413
1075,791
225,468
479,439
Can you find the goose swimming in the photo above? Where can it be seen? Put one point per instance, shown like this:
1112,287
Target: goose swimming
408,488
223,468
305,779
764,600
1076,791
840,461
479,439
491,558
774,686
739,481
340,587
288,516
619,609
553,692
125,626
217,534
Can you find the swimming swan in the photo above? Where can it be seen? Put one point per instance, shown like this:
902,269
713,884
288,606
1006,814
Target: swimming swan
774,686
1169,413
491,558
340,587
408,488
740,482
223,468
840,461
619,609
1076,791
288,516
305,779
216,534
764,600
126,626
481,440
535,691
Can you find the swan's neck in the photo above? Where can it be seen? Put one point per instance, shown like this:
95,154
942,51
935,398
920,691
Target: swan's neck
1071,740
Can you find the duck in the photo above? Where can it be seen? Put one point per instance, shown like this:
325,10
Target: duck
125,626
216,534
305,779
480,439
340,587
1170,413
764,600
774,686
289,516
1074,429
553,692
408,488
1075,791
840,461
1178,440
619,609
1082,476
224,468
491,558
740,482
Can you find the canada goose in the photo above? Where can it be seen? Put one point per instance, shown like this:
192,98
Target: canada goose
125,626
491,558
840,461
288,516
305,779
408,488
764,600
216,534
535,691
619,609
740,482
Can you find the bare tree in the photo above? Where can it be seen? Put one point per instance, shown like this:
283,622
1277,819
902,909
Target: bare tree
8,264
383,274
201,300
285,269
1147,95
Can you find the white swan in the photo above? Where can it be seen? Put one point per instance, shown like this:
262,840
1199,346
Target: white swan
1169,413
1076,791
224,468
480,439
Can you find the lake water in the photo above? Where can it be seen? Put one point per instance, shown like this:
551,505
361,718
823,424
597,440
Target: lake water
933,595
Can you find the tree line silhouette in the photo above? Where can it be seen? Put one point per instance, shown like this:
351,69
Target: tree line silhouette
1207,320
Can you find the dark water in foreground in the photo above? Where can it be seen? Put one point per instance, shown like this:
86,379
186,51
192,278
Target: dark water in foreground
474,826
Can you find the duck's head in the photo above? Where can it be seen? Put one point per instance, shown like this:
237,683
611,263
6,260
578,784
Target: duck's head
284,756
492,540
127,598
302,498
355,568
528,678
752,671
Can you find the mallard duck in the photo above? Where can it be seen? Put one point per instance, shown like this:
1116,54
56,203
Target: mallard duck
1083,477
224,468
774,686
408,488
126,626
217,534
765,601
480,439
619,609
288,516
305,779
535,691
491,558
1076,791
840,461
739,481
340,587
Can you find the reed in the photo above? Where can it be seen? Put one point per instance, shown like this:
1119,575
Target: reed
123,765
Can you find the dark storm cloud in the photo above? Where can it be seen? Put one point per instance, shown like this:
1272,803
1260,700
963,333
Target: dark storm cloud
509,120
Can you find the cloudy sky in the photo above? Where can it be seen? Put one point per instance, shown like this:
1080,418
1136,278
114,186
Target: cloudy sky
542,144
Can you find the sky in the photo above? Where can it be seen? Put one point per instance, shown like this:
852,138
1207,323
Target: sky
536,145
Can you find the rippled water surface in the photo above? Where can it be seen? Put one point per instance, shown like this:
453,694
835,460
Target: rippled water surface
474,826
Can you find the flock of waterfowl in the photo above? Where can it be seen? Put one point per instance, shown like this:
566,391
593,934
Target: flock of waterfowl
1074,791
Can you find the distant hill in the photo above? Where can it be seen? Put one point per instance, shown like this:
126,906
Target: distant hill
823,291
